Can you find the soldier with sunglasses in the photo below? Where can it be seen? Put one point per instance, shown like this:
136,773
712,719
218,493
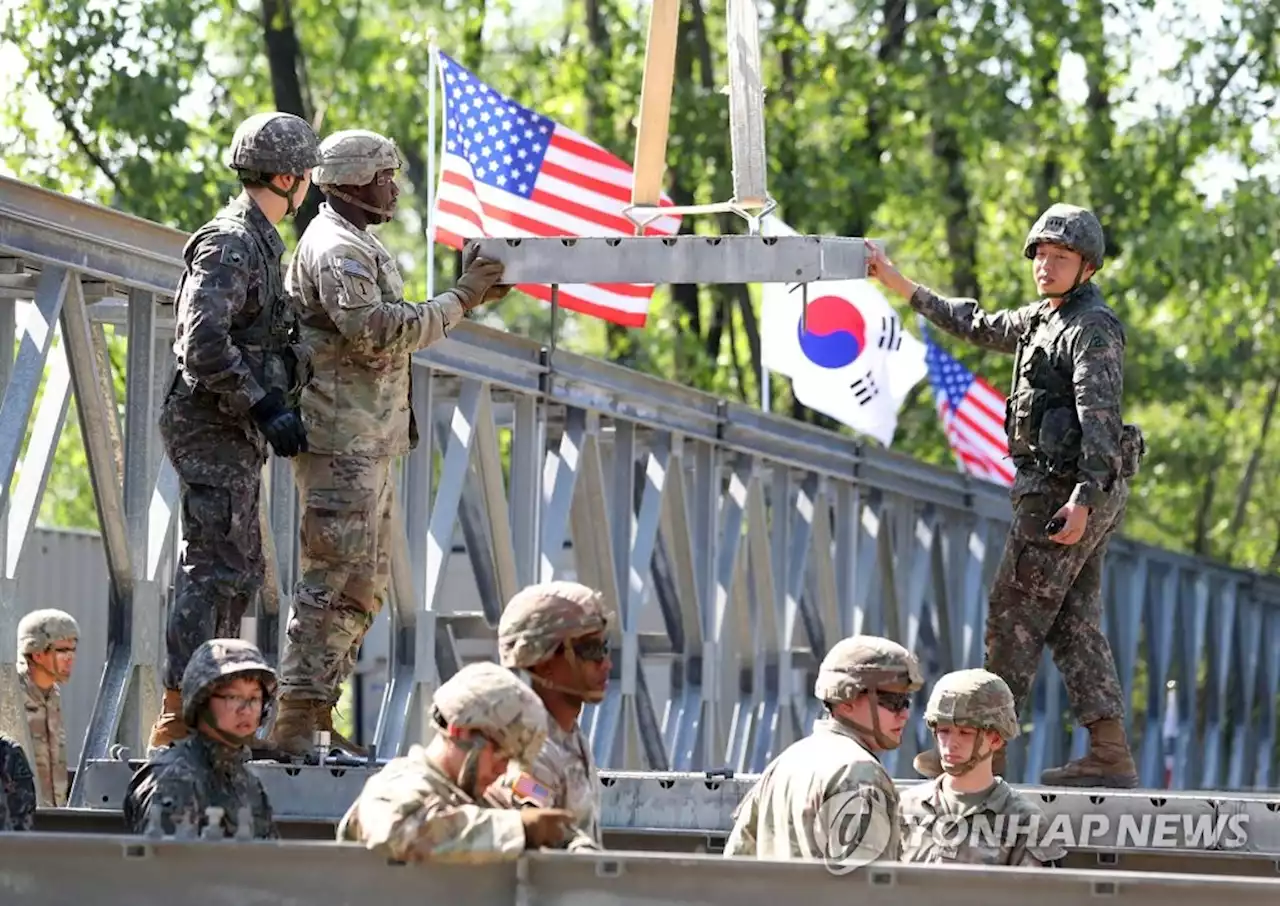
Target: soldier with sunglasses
557,633
827,797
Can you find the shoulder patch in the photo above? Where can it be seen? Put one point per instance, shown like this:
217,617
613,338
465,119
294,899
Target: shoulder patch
356,269
233,256
1097,341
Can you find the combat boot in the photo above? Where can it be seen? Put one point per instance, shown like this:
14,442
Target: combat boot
295,729
928,764
169,726
324,721
1108,763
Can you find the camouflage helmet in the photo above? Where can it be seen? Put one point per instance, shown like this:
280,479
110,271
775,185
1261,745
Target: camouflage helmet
40,630
274,143
540,618
973,698
354,157
493,700
1070,226
221,659
862,663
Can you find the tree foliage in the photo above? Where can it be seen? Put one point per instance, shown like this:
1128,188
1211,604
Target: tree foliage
943,127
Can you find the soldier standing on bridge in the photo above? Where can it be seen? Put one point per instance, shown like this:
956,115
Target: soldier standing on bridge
424,806
47,642
17,788
968,814
1074,456
228,692
557,632
238,370
826,796
348,294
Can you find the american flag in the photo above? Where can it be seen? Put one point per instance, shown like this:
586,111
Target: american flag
508,171
972,414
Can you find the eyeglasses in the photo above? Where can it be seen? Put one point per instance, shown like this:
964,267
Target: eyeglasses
240,703
591,649
894,701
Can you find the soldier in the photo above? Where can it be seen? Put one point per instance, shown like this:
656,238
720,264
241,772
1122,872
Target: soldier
228,692
238,370
972,716
1074,457
47,641
424,806
557,632
821,787
18,799
348,294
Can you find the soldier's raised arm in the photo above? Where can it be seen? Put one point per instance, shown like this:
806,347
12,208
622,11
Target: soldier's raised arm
963,318
347,288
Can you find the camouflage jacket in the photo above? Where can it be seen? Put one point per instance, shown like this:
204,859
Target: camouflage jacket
18,802
232,282
179,783
566,772
826,797
48,739
412,812
996,827
349,297
1064,409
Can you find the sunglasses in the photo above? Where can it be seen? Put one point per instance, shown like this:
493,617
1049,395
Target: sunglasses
590,649
894,701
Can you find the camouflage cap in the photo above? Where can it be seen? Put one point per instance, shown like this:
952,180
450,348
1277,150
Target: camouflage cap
540,618
1070,226
217,660
973,698
493,700
40,630
274,143
864,662
354,157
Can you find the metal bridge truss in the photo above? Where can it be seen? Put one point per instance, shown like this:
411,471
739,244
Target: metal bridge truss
733,545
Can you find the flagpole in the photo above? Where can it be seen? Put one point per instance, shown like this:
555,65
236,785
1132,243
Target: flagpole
764,388
432,78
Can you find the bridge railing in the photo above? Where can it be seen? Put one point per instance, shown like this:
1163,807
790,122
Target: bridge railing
735,546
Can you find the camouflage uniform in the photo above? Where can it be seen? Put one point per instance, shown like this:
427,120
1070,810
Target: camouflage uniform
208,767
1069,444
239,366
39,631
998,826
18,802
802,805
413,811
349,297
535,623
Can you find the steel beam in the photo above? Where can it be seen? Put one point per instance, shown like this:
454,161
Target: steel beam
678,259
134,871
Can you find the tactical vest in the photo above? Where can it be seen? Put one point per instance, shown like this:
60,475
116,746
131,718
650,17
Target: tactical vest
1040,417
270,344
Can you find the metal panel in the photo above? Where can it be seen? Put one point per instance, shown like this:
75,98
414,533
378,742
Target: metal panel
123,871
679,259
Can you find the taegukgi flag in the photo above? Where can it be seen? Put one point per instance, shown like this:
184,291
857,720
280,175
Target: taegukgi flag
850,358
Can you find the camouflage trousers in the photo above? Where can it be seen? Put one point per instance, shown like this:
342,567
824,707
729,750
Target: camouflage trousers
221,566
1049,593
345,569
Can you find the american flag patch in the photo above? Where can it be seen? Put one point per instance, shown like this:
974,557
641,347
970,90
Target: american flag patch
529,792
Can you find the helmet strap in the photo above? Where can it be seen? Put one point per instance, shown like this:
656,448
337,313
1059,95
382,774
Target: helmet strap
207,726
591,696
873,732
286,194
385,213
1075,284
469,773
976,756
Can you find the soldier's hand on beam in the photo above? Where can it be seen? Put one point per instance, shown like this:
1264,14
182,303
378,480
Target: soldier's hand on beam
480,279
881,269
1075,520
545,826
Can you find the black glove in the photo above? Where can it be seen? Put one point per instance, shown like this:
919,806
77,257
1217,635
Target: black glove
282,427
